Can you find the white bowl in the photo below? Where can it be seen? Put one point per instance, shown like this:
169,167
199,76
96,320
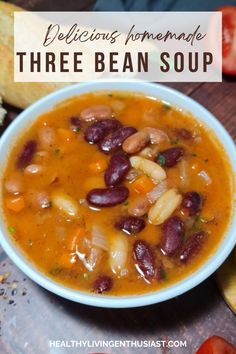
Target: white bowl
175,98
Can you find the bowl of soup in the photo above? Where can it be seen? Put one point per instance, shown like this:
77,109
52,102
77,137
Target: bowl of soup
117,194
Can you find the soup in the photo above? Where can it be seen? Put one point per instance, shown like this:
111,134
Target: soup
117,193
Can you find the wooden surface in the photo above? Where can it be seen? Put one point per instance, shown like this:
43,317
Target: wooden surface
31,317
36,316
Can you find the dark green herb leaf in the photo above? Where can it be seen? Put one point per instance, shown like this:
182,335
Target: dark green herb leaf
161,160
56,270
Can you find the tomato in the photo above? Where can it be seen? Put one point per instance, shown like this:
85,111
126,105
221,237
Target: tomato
216,345
228,39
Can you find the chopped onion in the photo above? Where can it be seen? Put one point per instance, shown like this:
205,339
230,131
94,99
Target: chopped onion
132,175
205,177
14,186
99,239
118,255
156,192
183,172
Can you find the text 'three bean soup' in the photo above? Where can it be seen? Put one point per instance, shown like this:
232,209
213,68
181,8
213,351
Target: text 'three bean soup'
117,193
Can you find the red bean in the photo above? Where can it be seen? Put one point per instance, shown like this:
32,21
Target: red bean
98,130
27,154
172,237
114,141
106,197
118,168
170,157
192,246
130,224
191,203
102,284
144,258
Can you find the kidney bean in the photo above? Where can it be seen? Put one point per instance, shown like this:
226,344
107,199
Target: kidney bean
144,258
26,154
172,237
130,224
112,142
191,203
102,284
192,246
170,157
118,167
106,197
98,130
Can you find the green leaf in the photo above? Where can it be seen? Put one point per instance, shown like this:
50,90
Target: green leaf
161,160
12,229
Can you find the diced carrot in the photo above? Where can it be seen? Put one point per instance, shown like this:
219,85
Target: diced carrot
98,166
75,237
142,185
66,260
15,204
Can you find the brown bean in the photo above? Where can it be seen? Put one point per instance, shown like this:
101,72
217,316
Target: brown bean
27,154
156,136
172,236
106,197
96,112
98,130
118,167
192,246
183,133
170,157
135,142
144,258
114,141
102,284
191,203
130,224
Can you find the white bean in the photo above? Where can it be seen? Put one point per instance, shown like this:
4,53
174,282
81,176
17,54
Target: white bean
164,207
150,168
47,137
65,203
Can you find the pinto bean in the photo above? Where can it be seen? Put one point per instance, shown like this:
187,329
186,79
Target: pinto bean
26,154
102,284
96,112
156,136
106,197
139,206
172,237
170,157
191,203
118,167
114,141
144,258
98,130
135,142
130,224
192,246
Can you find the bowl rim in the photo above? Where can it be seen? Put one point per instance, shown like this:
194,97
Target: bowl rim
164,93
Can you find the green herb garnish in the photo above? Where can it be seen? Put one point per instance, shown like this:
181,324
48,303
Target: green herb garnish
194,154
174,141
30,242
57,152
12,230
126,203
161,160
163,273
77,130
